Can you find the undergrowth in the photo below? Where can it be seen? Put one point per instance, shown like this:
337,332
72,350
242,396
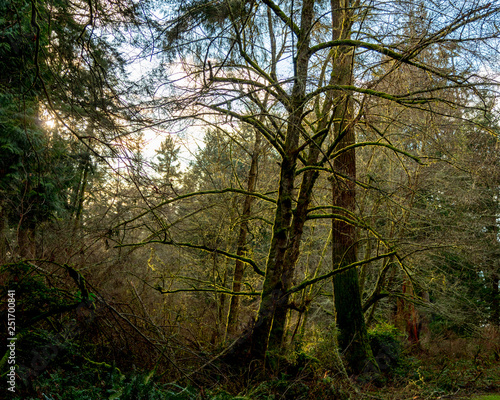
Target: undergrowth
55,357
424,377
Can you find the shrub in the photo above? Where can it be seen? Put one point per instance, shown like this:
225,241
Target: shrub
387,346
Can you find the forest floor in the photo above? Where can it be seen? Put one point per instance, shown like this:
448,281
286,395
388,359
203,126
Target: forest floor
458,379
448,368
440,378
78,385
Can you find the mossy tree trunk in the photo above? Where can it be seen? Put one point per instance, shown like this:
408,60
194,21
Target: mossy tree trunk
271,318
353,337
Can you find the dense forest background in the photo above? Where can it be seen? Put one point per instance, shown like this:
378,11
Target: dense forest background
281,199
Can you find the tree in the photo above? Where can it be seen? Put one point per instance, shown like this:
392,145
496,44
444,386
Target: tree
302,74
239,268
167,166
353,338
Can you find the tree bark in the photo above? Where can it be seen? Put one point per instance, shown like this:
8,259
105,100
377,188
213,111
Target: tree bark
26,241
406,313
353,336
3,240
239,268
280,268
495,301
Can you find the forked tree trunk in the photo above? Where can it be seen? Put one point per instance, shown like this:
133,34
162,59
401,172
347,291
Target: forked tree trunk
293,252
279,269
281,263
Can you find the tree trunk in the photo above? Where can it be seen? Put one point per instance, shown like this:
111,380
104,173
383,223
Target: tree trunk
3,240
293,251
26,241
80,193
495,301
406,313
280,267
239,268
353,337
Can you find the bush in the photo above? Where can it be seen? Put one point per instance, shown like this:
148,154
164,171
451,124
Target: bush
387,346
326,351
